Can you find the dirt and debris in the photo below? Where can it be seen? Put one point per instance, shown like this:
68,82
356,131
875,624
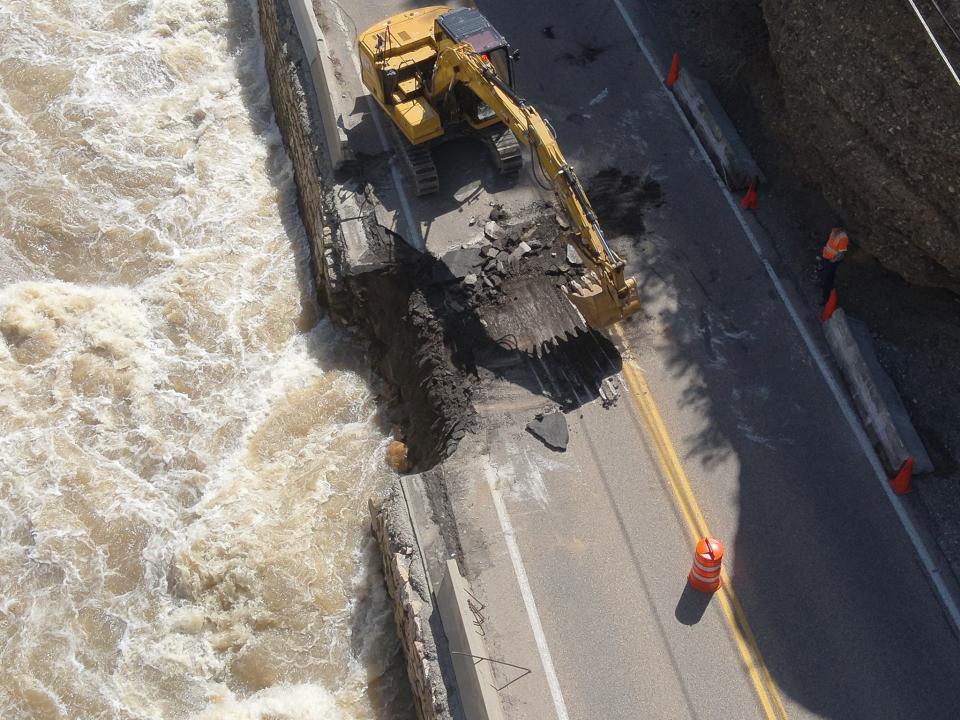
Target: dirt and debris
616,196
434,320
587,53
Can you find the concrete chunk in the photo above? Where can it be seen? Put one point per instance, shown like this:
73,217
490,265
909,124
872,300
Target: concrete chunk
519,251
551,430
573,257
462,262
467,191
494,231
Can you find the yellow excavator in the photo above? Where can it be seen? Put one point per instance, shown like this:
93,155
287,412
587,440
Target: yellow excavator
439,72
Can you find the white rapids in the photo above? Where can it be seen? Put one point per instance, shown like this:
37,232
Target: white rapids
186,449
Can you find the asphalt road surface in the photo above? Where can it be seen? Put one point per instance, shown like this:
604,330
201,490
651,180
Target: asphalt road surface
581,557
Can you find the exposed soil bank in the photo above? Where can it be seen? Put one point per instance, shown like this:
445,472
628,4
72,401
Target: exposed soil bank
916,328
433,397
873,113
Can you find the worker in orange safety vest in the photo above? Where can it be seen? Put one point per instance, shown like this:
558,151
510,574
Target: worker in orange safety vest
830,258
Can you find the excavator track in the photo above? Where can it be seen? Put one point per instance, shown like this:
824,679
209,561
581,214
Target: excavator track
420,166
504,148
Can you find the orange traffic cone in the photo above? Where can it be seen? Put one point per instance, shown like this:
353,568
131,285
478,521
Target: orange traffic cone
674,70
705,573
830,307
901,483
749,201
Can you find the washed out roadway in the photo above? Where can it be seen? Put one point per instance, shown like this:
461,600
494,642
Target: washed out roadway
842,612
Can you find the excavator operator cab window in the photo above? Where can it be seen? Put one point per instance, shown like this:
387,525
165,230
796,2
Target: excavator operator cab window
470,26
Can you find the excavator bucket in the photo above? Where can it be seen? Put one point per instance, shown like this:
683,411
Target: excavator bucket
599,307
535,318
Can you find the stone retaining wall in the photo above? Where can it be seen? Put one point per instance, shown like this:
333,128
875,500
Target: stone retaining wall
297,118
406,584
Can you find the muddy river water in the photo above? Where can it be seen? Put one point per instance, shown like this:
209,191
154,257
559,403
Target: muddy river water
186,444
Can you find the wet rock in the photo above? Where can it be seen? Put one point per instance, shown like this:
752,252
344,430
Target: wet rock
397,456
573,257
551,430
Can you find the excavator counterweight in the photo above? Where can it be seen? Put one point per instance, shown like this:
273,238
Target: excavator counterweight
437,72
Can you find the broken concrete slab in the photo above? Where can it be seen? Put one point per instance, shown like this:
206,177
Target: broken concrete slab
467,191
551,430
494,231
463,261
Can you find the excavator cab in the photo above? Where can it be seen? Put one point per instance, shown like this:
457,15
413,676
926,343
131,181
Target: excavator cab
468,25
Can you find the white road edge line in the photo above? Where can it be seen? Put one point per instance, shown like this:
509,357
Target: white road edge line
413,228
930,566
936,43
510,536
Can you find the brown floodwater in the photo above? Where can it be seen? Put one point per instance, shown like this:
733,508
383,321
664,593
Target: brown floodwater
186,444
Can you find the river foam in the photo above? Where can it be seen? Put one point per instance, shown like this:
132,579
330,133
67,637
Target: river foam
186,447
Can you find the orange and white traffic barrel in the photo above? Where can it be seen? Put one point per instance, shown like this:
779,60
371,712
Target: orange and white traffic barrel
705,573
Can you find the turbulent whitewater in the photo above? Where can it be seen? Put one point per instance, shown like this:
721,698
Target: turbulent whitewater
186,448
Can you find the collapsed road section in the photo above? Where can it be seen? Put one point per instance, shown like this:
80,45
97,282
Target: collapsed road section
480,300
497,289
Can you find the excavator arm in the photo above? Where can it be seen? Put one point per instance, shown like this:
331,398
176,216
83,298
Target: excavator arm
603,295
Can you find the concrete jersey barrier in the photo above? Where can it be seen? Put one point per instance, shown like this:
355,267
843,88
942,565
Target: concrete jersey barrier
323,77
868,397
712,125
478,693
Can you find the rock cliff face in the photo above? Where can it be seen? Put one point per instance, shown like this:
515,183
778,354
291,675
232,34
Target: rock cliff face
874,116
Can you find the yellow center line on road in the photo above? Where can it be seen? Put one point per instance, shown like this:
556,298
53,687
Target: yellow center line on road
763,683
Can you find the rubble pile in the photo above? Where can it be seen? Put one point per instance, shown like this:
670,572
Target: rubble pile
541,244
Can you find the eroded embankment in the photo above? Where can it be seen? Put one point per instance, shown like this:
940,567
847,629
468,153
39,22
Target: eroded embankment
406,347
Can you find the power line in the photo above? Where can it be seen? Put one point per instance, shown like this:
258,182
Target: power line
936,44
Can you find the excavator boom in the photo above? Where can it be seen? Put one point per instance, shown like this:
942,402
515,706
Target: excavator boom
605,296
433,67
